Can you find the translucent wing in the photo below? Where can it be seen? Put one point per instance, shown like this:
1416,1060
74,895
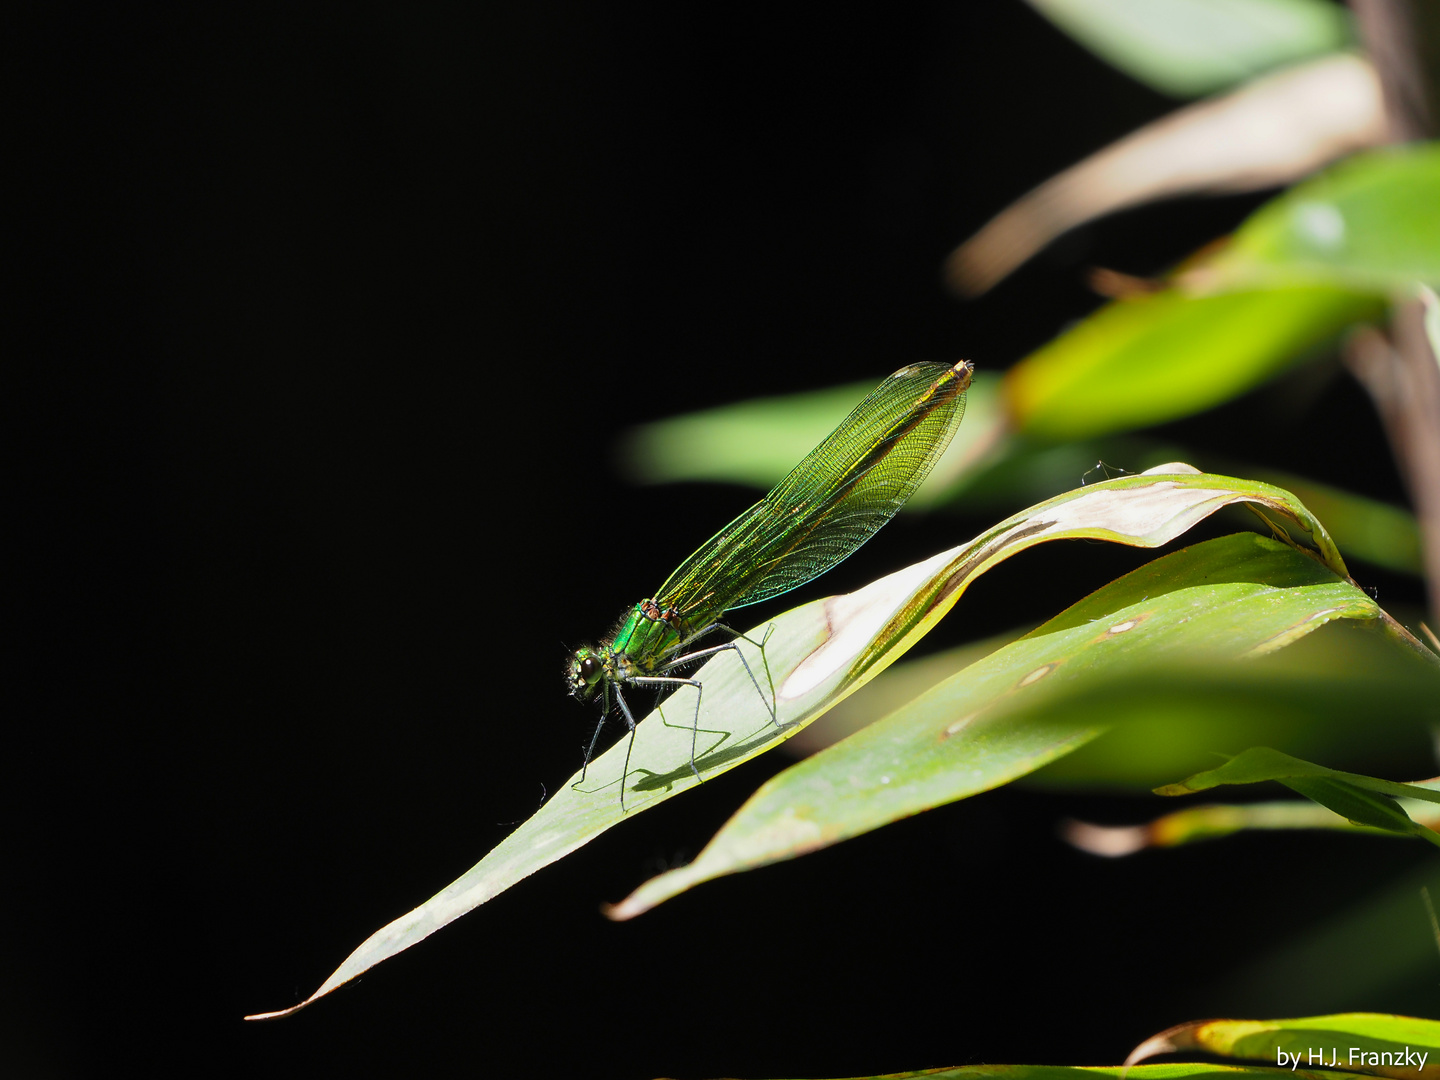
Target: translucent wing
833,501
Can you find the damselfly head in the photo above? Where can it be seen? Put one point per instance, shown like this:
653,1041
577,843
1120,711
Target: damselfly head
585,673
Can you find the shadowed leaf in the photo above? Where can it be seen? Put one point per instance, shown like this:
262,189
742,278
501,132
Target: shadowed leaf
1364,800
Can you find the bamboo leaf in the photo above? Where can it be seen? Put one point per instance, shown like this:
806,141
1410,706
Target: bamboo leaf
823,651
1261,763
1218,820
1146,360
1013,712
1365,800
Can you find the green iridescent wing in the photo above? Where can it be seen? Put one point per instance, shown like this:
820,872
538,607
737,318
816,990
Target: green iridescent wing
832,502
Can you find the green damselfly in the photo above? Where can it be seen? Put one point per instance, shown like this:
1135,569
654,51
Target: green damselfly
830,504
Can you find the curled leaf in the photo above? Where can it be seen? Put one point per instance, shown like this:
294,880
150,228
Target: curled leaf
1378,1044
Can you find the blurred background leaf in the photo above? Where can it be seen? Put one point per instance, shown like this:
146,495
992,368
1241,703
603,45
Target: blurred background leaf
987,468
1142,361
1273,131
1375,953
1215,821
1192,47
1372,222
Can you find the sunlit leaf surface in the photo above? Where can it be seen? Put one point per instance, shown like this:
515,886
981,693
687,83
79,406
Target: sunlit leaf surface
1011,713
905,680
818,654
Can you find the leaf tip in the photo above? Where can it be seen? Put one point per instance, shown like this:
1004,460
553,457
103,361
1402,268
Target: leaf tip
279,1013
628,908
1180,1037
1181,788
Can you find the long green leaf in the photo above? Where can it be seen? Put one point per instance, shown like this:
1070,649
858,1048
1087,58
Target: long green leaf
1150,359
1364,800
818,654
1011,713
1215,821
1261,763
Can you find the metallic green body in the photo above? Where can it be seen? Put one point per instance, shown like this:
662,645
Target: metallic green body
638,647
832,502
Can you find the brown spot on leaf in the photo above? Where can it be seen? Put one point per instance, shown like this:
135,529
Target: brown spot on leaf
1036,675
957,726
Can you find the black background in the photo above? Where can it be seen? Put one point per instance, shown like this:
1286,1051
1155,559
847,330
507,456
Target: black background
325,321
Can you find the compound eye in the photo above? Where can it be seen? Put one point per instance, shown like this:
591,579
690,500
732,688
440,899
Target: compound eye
588,668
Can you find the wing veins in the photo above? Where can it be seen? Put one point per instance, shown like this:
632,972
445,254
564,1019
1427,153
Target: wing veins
833,501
